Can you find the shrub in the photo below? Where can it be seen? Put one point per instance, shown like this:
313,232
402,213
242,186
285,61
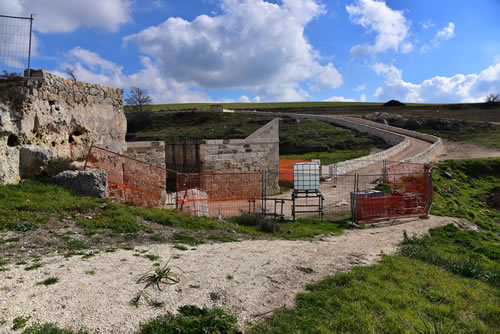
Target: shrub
137,121
192,319
260,221
50,329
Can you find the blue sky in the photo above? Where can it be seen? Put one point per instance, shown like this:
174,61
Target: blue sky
277,50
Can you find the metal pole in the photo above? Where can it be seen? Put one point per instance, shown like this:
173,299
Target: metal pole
29,50
354,198
262,176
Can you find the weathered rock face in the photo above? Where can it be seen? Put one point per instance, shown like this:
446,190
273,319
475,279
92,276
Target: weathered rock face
91,182
53,119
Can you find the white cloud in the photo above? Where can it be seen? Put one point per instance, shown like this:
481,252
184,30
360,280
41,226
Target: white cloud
66,16
362,98
339,99
389,25
446,33
454,89
244,99
252,44
90,67
442,35
427,24
360,88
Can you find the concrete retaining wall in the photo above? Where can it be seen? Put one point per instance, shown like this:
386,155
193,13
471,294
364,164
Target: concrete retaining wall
399,141
257,152
429,154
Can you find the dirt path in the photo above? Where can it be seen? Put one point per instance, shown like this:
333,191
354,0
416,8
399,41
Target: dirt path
336,191
462,150
245,278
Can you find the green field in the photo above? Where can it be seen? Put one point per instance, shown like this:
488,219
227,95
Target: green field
465,111
253,106
304,139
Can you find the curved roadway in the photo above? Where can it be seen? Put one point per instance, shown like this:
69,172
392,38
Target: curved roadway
336,191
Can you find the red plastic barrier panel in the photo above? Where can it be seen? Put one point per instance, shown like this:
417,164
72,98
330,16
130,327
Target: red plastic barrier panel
411,197
286,168
224,194
129,179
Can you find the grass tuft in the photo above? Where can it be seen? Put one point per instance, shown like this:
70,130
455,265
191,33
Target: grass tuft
159,276
49,328
49,281
192,319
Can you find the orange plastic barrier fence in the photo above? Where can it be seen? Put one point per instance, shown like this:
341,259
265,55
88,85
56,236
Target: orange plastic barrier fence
412,198
129,179
286,168
226,194
394,170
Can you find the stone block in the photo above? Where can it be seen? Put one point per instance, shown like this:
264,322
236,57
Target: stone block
91,182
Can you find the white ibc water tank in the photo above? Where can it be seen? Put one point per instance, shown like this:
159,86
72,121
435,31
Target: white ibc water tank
306,176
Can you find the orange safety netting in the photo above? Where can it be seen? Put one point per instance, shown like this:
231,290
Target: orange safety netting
411,196
225,194
286,168
394,170
129,179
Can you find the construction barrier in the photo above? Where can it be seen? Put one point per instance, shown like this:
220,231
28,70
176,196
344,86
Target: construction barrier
286,168
219,194
408,195
129,179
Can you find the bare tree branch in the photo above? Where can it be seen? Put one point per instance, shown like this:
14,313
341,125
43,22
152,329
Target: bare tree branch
138,98
493,98
71,73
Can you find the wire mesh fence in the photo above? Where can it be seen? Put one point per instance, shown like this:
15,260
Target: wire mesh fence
219,194
396,190
334,191
391,196
15,44
130,180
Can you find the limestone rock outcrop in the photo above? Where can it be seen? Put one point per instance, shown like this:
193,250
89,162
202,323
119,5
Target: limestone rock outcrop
91,182
49,120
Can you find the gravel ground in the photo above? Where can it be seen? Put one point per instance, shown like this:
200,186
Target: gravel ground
247,278
463,150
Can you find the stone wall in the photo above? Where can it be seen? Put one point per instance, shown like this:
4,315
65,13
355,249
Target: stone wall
152,152
48,120
431,153
255,153
398,141
390,134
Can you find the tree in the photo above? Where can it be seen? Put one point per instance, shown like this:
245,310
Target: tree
492,98
138,98
71,73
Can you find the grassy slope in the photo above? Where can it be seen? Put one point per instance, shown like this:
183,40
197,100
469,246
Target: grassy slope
461,195
307,139
474,131
252,106
50,218
465,111
448,281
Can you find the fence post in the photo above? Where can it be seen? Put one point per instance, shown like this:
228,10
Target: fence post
354,197
29,48
262,190
384,171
